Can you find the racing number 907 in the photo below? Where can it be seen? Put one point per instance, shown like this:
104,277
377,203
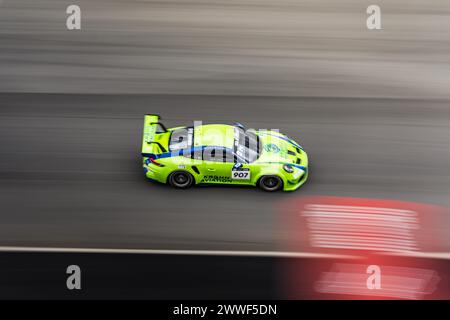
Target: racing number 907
242,175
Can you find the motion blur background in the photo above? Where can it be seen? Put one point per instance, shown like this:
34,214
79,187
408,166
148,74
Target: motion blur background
371,108
235,47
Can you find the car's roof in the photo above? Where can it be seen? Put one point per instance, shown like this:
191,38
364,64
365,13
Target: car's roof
214,135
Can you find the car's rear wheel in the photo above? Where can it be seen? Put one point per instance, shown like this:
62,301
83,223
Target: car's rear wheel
181,179
270,183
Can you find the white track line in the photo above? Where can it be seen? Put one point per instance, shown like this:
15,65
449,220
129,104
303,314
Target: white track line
275,254
418,254
280,254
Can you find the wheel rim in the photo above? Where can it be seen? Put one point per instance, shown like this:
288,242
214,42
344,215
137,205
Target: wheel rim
271,183
181,179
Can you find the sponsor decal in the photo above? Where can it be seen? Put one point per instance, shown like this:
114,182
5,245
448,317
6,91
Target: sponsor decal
240,173
271,148
237,166
212,178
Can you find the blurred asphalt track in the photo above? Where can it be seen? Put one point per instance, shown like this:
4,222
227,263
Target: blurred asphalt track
371,109
70,168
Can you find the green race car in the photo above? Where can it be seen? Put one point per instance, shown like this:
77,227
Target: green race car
222,154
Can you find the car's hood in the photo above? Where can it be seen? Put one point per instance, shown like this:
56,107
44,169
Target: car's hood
276,147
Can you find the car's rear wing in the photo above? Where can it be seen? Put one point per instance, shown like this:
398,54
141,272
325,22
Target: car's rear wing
151,138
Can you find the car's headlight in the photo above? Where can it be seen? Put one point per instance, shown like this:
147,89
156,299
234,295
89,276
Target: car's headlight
288,168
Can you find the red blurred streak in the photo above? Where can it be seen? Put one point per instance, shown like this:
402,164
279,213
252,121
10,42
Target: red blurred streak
392,234
396,282
339,224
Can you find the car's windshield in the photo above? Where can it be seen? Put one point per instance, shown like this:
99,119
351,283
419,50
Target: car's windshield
246,145
181,139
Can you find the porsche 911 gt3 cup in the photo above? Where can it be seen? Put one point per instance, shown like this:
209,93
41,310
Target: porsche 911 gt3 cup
222,154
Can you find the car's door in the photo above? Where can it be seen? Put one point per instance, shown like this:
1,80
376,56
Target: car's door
215,169
234,168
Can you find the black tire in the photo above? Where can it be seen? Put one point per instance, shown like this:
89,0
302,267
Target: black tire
181,179
270,183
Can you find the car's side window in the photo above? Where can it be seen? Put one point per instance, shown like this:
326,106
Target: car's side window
187,153
213,154
229,156
197,155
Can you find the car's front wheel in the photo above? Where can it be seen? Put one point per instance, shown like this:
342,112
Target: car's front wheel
181,179
270,183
